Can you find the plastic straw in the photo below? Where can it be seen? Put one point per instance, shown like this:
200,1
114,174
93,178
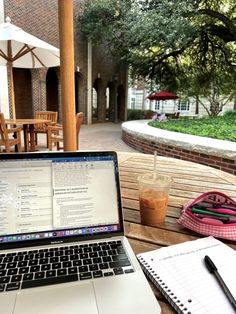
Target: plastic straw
155,165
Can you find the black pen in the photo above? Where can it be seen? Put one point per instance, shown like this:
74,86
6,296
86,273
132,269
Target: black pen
212,269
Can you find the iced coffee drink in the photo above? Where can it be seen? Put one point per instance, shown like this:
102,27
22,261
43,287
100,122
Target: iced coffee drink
153,198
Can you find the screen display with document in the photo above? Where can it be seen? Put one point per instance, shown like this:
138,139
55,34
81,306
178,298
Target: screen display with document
57,196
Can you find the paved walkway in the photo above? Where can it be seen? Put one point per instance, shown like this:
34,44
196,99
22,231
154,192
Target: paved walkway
99,136
103,136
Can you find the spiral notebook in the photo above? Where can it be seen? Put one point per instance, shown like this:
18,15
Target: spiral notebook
179,272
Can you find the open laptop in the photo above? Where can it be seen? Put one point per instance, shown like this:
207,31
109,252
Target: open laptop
62,244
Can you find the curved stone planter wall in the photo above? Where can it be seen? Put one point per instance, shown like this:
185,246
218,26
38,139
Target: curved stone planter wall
211,152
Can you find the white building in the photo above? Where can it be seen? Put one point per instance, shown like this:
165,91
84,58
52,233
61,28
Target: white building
137,99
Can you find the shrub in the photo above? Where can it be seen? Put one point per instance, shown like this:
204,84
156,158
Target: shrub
230,113
149,114
135,114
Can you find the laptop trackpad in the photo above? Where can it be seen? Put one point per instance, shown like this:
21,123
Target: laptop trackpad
78,298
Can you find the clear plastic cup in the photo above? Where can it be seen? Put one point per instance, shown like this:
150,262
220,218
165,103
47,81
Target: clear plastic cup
153,198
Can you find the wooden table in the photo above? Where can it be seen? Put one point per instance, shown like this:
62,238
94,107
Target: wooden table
28,128
189,181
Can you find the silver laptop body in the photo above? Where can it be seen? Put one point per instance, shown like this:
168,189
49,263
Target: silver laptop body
62,243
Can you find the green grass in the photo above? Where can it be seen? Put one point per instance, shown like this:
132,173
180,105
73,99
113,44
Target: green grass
223,128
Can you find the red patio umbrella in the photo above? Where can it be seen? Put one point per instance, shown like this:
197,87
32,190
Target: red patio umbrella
162,96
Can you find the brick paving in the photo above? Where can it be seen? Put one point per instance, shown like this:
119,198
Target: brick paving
98,136
103,136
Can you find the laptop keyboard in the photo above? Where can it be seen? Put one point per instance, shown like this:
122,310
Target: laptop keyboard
35,268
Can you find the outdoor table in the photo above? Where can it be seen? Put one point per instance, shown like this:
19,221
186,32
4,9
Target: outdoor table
189,181
28,128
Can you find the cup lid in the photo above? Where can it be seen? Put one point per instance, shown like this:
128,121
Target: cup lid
149,178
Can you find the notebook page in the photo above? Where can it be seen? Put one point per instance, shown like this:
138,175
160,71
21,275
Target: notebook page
181,272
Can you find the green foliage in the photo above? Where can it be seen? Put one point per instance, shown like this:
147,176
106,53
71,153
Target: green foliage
137,114
184,46
230,114
223,128
153,35
138,35
104,22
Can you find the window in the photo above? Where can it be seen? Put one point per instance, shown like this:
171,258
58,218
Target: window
183,106
157,105
132,102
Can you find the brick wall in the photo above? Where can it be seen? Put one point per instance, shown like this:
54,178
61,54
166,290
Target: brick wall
148,147
40,18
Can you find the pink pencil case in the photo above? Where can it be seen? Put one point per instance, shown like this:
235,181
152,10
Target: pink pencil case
212,213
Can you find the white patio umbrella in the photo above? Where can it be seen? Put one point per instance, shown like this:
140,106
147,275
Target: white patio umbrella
22,50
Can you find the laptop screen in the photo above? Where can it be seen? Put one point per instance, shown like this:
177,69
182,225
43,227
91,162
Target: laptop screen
58,197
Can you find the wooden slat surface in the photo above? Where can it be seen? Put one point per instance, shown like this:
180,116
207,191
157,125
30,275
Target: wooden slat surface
189,181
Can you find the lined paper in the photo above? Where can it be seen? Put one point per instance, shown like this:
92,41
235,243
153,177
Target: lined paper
180,273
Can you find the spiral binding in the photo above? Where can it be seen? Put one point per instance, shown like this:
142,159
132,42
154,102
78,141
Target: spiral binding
164,289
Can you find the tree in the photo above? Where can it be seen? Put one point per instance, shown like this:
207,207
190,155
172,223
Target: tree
146,39
164,40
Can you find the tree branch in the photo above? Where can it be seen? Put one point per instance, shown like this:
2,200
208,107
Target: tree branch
221,17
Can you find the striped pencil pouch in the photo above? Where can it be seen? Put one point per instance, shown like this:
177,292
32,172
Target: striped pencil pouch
212,213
